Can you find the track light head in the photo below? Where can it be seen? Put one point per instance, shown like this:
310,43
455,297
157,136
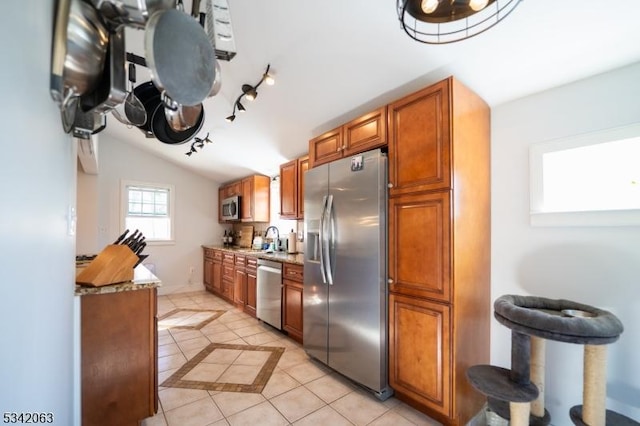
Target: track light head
240,107
231,118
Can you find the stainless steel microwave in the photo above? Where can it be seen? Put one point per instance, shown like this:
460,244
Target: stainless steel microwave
231,208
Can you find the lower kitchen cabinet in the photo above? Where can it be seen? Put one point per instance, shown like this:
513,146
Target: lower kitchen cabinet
212,271
251,289
419,351
119,375
240,281
292,288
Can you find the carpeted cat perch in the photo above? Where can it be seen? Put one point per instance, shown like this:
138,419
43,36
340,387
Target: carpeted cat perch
518,394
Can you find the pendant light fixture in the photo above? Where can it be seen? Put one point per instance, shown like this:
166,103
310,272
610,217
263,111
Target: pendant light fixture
449,21
250,93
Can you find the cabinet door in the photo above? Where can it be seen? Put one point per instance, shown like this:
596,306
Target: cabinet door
419,351
250,300
239,287
288,189
419,245
419,141
233,189
303,166
208,274
366,132
292,302
326,147
246,200
217,277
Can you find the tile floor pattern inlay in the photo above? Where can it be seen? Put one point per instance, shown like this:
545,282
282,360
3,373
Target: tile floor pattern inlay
231,368
193,319
300,391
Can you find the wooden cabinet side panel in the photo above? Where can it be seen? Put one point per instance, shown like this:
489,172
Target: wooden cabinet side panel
420,351
207,279
366,132
288,189
303,166
419,245
292,303
326,147
419,141
116,327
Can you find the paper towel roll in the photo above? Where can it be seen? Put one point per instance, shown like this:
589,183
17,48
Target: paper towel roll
291,242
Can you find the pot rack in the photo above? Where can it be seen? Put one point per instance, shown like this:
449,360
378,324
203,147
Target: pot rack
83,114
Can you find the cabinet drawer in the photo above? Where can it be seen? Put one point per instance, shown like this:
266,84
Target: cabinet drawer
252,263
228,257
217,255
240,260
292,271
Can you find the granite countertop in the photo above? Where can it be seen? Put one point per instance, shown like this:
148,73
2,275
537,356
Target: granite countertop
280,256
142,278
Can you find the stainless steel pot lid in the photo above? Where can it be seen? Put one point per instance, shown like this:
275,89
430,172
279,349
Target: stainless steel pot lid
179,56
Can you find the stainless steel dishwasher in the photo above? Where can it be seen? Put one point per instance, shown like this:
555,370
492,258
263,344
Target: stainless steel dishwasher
269,293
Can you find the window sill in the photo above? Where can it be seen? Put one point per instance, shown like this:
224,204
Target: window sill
587,218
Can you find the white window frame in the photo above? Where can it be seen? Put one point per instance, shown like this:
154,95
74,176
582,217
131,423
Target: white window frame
539,217
124,202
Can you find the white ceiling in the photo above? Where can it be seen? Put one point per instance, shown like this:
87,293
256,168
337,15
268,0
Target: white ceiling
336,59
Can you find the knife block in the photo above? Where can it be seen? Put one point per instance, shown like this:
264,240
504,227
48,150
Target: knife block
114,264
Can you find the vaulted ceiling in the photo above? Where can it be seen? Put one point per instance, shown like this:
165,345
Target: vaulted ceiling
334,60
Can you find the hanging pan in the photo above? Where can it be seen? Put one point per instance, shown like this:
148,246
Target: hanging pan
179,56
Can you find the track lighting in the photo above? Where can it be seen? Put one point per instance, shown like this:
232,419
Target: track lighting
198,143
250,93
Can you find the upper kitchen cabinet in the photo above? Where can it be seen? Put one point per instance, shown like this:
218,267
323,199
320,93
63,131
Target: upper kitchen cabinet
362,134
232,189
420,141
255,198
292,188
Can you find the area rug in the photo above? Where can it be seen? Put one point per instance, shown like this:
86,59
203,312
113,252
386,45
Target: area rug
229,368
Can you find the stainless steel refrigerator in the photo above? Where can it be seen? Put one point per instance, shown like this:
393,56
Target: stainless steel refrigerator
345,277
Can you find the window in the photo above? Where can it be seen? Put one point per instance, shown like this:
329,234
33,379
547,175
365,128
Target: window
148,208
587,180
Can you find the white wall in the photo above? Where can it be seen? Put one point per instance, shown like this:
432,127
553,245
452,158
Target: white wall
599,266
37,169
196,215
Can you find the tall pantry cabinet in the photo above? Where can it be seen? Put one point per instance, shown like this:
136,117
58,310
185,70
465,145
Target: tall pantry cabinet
439,248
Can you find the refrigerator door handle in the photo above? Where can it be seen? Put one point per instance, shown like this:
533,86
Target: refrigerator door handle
330,239
321,237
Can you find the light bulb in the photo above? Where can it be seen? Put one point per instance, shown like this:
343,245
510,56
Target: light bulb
477,5
428,6
268,78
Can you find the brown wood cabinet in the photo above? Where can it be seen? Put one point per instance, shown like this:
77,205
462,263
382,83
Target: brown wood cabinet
292,279
119,375
212,273
254,192
361,134
252,280
255,199
292,188
240,281
439,248
228,276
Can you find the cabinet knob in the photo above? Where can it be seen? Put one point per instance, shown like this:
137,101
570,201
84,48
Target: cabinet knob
389,185
338,149
390,281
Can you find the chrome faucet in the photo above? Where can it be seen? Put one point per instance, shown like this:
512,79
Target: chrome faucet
276,241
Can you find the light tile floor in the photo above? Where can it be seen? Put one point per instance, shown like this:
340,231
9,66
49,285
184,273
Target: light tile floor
300,391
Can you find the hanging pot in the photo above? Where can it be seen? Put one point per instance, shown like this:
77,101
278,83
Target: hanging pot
157,125
79,50
132,13
179,56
